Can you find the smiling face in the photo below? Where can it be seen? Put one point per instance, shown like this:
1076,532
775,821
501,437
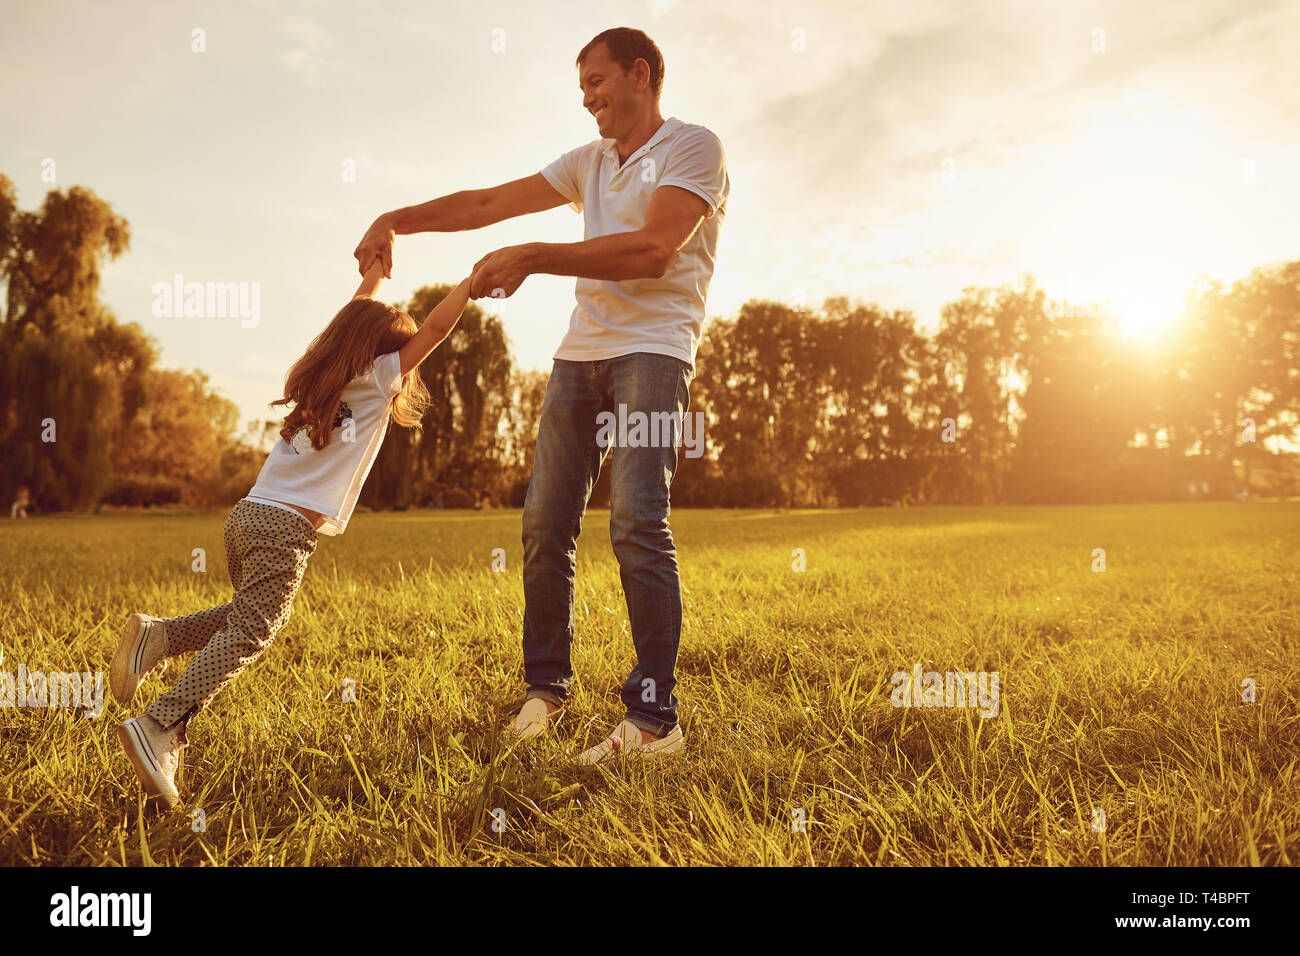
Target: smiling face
614,97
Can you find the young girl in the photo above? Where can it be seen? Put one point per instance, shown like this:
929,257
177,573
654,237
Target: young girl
354,377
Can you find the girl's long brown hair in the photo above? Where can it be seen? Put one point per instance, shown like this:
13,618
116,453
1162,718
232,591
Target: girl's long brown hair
363,330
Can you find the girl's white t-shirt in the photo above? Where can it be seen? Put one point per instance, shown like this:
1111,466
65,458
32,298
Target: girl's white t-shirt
330,480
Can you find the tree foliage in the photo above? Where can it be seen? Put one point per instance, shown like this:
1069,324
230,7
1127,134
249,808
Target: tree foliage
845,405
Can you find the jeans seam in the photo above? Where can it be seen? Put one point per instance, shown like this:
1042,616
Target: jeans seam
660,728
545,694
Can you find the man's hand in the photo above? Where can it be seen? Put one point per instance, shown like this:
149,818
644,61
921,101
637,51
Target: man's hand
377,244
500,273
671,220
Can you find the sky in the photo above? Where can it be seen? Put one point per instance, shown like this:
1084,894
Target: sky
893,153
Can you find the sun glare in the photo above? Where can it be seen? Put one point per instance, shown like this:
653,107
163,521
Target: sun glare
1144,312
1148,209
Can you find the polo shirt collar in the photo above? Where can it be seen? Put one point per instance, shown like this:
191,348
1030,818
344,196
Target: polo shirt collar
667,127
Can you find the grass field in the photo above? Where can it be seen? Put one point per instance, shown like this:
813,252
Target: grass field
1119,690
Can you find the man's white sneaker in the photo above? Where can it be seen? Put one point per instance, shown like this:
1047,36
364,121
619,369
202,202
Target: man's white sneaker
143,642
628,738
155,754
534,719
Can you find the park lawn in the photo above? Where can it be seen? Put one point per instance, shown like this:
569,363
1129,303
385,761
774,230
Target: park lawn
1121,692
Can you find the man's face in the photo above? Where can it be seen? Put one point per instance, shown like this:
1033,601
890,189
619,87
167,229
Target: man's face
608,93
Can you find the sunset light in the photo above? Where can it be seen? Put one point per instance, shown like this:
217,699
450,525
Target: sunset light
649,434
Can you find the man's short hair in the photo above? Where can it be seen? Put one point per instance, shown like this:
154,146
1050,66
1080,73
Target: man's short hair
626,46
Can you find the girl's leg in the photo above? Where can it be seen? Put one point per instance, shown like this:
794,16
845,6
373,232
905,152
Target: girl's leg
193,631
190,632
272,546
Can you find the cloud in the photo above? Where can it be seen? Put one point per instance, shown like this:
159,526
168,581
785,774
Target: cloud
659,8
311,42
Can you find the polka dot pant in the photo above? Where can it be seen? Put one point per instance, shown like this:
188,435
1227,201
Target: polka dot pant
267,549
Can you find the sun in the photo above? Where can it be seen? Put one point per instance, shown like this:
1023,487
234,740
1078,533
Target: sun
1146,202
1144,310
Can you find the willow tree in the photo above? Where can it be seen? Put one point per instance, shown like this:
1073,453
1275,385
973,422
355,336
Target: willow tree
459,444
70,376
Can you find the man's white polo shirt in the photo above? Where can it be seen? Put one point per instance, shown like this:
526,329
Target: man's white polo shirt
664,316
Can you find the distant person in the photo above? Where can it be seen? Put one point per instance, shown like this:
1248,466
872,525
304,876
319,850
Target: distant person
355,377
22,500
653,194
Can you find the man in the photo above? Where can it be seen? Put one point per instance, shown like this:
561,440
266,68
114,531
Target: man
653,194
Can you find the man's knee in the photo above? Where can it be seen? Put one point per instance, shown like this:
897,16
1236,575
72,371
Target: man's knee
640,526
550,523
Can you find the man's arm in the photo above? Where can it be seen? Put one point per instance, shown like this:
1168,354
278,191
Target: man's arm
671,219
469,209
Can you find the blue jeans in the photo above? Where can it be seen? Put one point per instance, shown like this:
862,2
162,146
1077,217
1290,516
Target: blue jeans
570,450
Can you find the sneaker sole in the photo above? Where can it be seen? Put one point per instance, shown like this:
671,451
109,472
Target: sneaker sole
137,751
551,720
121,679
638,753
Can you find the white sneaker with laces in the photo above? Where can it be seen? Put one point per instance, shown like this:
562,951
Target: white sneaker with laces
143,642
627,737
534,719
155,754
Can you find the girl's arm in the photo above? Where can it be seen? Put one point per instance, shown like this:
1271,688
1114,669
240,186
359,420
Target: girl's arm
441,320
370,282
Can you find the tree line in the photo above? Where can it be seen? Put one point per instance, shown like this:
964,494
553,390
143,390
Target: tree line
1007,400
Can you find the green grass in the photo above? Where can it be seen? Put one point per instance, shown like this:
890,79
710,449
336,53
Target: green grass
1120,690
